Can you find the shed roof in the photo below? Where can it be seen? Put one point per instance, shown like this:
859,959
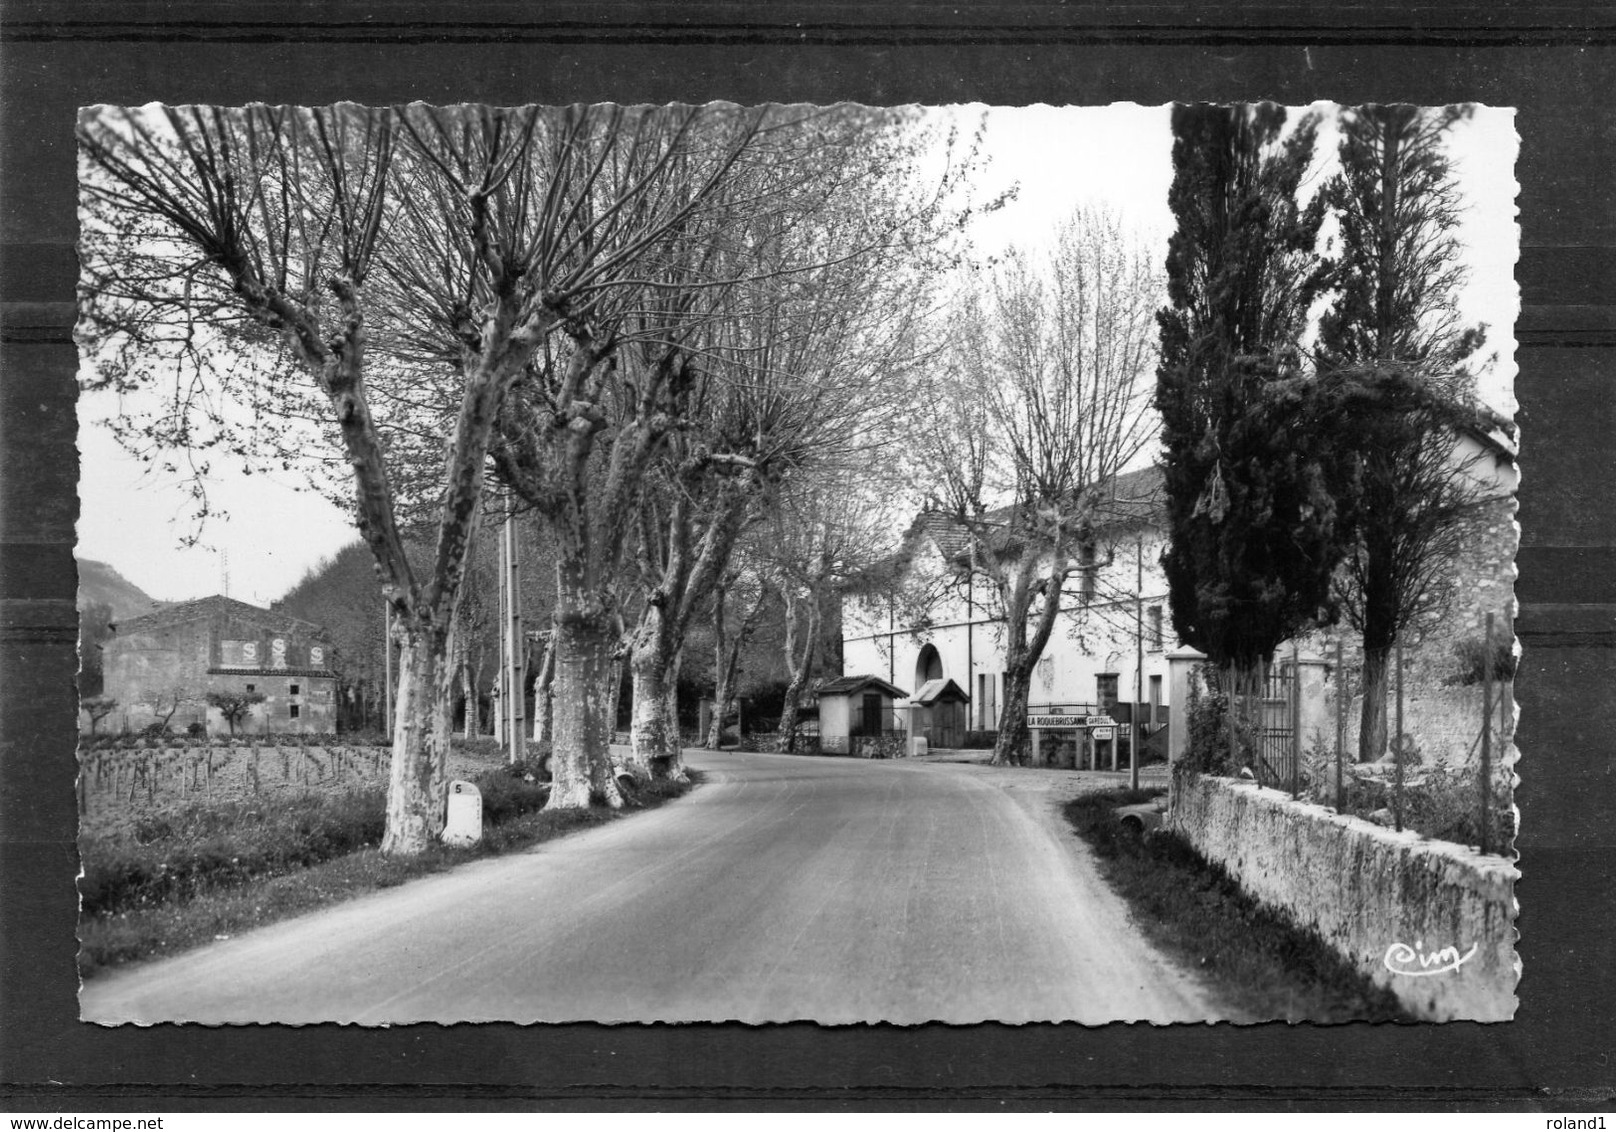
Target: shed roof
850,685
935,691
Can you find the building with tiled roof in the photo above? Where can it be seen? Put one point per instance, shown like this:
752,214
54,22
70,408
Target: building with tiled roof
217,644
947,631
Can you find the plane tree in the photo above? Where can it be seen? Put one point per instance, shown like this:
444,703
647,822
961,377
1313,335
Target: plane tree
270,269
1041,401
702,389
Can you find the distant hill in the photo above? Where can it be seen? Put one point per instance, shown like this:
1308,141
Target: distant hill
101,584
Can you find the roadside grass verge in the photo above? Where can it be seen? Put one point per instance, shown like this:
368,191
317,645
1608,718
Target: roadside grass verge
194,874
1258,964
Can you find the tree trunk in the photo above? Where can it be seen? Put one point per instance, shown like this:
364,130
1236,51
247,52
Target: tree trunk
580,763
468,689
417,785
728,655
653,731
1372,723
800,668
676,756
541,694
1012,747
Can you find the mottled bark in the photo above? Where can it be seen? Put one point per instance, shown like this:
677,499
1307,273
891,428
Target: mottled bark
1019,583
655,730
542,688
580,764
801,665
416,795
674,768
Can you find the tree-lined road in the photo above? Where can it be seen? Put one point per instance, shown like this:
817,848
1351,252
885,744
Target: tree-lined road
836,890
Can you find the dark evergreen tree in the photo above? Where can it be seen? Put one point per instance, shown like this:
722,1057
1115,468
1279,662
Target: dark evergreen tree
1251,466
1393,326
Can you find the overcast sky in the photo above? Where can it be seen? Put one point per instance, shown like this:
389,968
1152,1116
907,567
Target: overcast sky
1061,157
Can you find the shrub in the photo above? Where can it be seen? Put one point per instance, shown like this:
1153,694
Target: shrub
196,730
980,740
190,848
1470,656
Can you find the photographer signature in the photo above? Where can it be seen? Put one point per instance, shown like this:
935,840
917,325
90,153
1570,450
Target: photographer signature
1400,959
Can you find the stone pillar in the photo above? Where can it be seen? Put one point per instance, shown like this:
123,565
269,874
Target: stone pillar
1179,666
1037,734
1315,716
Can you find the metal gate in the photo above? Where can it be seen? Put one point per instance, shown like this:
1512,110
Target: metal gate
1271,720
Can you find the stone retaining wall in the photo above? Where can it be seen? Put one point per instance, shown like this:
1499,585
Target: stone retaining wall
1389,902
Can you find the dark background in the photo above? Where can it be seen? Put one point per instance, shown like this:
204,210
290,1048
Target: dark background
1552,61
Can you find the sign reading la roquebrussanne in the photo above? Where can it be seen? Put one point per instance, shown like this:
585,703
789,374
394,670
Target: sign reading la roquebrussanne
1066,721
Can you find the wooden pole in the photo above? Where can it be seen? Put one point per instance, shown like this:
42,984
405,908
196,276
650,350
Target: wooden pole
1138,661
1486,736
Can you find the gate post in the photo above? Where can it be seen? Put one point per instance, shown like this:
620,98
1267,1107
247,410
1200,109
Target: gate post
1180,665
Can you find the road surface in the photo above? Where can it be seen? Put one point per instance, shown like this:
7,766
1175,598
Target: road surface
783,888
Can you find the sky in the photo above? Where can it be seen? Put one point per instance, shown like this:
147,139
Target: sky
1117,156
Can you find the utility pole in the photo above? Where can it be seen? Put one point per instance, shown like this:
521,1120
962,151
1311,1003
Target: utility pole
512,634
1138,660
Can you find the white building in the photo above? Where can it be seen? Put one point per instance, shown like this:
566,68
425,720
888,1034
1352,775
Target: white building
1108,650
1113,644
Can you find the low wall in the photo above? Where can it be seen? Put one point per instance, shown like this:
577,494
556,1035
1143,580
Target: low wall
1391,903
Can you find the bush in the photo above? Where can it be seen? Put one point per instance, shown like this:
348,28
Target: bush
193,847
196,730
1470,656
980,740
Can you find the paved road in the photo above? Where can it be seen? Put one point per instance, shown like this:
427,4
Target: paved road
836,890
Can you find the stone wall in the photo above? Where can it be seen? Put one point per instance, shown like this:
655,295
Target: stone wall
1389,902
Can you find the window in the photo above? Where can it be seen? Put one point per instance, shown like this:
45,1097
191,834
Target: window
1155,698
1155,628
293,689
295,710
252,687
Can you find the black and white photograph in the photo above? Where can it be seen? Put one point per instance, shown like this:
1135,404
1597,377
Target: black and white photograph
825,563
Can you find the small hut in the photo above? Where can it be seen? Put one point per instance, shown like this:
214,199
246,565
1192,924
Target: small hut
853,708
940,713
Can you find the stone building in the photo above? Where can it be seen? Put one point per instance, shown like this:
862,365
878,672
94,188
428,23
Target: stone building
217,644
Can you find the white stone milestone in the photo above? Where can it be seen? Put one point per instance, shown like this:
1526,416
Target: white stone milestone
465,821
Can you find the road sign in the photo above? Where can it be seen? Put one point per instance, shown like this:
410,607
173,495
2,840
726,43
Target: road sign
1056,721
1100,733
1070,721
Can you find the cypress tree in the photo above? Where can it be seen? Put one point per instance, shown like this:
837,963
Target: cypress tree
1251,467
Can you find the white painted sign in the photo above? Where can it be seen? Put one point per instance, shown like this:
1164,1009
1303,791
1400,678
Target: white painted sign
1055,721
1069,721
1100,733
464,825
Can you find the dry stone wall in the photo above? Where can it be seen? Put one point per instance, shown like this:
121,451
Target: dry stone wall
1390,903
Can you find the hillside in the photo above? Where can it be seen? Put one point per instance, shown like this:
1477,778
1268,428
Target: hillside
101,584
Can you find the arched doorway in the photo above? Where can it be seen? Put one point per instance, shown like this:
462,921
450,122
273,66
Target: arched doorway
928,665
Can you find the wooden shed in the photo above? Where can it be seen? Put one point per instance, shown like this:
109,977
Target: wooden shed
941,710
